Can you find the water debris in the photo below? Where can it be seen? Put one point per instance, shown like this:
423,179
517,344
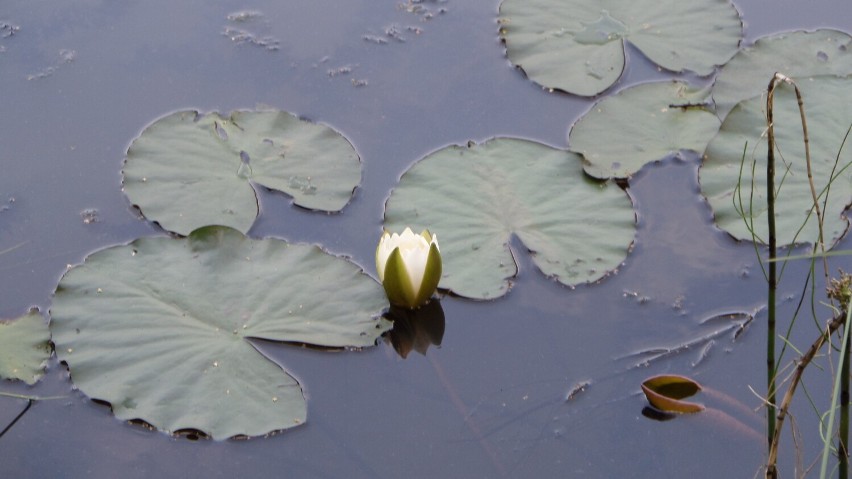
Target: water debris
638,297
394,32
425,9
733,323
244,16
90,216
577,389
335,72
367,37
8,205
703,353
7,29
242,37
66,56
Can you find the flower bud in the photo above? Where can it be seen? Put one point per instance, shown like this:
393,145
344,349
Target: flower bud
409,267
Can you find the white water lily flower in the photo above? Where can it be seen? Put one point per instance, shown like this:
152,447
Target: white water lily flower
409,266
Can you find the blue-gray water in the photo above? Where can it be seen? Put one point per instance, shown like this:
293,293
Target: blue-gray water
81,79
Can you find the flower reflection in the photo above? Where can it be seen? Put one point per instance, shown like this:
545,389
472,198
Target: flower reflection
416,329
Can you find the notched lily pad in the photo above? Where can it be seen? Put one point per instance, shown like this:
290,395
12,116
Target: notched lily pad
188,170
799,55
476,197
642,124
829,116
578,45
667,391
161,328
24,347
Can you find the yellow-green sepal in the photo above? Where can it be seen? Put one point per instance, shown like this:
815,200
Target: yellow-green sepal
397,283
432,274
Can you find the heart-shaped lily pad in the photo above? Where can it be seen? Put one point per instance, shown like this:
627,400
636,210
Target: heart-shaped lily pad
160,328
641,124
476,197
829,116
578,45
798,55
188,170
24,347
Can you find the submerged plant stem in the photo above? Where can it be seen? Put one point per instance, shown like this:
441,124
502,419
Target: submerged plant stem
18,417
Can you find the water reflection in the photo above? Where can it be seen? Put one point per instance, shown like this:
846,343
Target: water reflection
416,329
656,414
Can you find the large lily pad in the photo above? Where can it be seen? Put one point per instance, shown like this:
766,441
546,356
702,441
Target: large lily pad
798,55
829,115
188,170
159,328
476,197
578,45
24,347
641,124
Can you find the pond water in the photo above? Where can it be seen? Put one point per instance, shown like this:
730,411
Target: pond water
81,79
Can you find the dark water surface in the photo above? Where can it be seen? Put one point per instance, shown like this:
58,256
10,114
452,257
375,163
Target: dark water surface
81,79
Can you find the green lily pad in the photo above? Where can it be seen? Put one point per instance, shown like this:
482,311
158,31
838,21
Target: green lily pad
798,55
476,197
829,116
578,45
188,170
160,328
24,347
641,124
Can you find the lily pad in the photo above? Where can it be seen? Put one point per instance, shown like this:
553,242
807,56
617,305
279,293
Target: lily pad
160,328
578,45
798,55
829,116
188,170
476,197
641,124
24,347
667,391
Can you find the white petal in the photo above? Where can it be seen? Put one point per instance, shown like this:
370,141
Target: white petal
385,249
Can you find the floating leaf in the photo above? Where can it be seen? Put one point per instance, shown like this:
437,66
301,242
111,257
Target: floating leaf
476,197
24,347
188,170
578,45
798,55
828,117
159,328
665,393
641,124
